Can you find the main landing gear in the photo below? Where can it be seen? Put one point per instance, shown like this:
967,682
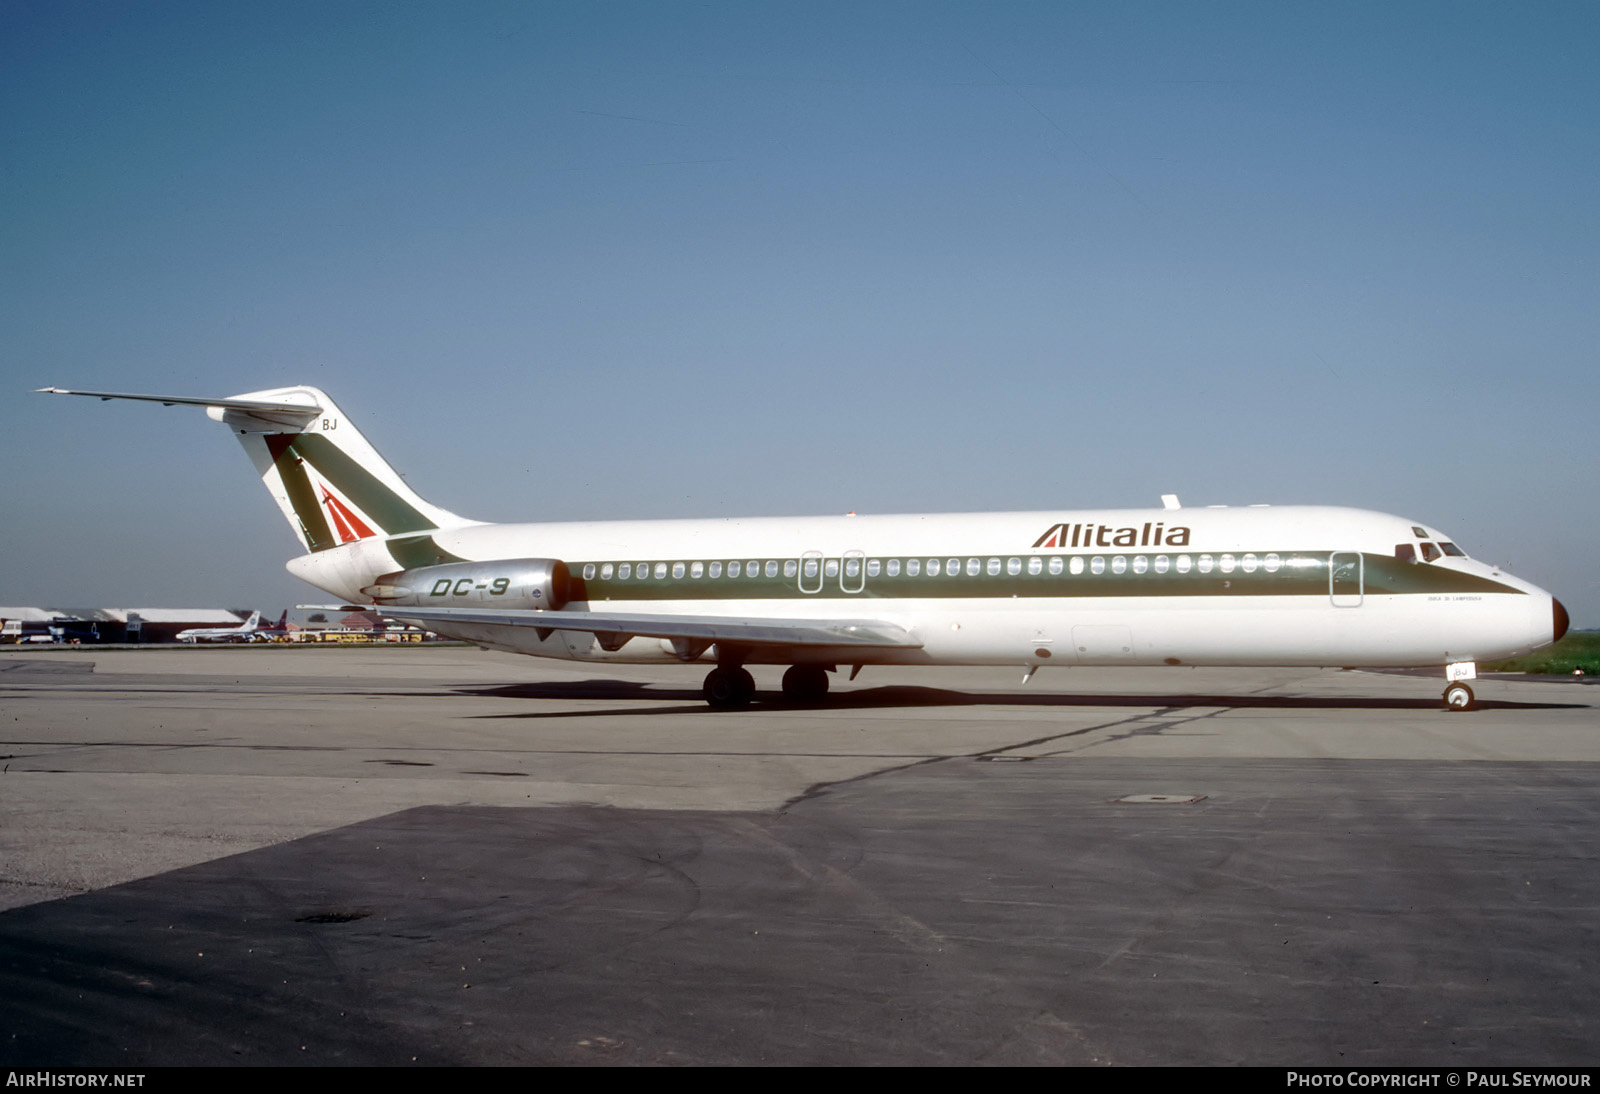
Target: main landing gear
730,686
805,684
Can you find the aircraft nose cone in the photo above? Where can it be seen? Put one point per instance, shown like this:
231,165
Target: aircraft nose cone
1562,622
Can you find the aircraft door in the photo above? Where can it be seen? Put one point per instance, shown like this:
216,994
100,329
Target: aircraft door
811,572
853,575
1346,579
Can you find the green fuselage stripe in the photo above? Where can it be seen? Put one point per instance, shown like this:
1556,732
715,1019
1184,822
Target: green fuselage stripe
1301,574
412,552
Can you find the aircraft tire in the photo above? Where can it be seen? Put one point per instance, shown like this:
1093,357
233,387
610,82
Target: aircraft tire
805,684
1459,697
728,687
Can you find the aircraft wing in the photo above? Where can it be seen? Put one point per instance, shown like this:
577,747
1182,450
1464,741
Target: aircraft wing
614,629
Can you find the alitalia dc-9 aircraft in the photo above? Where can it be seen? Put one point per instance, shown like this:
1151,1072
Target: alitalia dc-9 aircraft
1219,586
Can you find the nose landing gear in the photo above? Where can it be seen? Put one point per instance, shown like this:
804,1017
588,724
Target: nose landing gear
1458,696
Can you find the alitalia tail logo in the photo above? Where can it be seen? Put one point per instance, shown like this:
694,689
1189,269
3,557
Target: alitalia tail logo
349,526
1100,535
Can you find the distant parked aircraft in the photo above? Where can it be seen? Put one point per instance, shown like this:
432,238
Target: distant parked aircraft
275,630
245,632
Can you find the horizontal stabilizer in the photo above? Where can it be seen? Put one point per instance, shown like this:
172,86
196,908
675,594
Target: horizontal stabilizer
187,400
329,482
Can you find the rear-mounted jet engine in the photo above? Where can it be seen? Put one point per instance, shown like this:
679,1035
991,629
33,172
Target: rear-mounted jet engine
513,583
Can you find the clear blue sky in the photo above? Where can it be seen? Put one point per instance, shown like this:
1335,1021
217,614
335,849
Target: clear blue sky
577,260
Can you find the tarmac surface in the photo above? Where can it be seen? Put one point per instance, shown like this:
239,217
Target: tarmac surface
448,856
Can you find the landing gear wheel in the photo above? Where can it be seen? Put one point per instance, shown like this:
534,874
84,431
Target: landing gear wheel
1459,697
805,684
728,687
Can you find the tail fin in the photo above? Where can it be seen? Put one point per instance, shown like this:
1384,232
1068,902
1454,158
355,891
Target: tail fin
330,483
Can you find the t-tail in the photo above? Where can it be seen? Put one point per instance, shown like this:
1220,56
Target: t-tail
353,513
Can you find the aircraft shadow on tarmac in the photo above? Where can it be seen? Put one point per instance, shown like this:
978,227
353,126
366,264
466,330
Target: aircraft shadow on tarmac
903,696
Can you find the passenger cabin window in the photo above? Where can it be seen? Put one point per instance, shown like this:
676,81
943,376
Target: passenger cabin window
1405,552
1430,553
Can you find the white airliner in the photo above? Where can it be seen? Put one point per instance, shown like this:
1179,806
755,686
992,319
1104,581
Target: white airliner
1259,585
244,632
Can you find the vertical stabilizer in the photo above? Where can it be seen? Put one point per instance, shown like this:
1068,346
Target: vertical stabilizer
328,480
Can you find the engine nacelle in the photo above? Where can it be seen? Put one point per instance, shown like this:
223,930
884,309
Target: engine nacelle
506,583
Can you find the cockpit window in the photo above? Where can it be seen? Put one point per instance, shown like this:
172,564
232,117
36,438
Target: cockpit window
1452,550
1405,552
1420,533
1430,553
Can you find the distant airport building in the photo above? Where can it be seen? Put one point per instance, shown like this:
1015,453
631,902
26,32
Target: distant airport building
85,625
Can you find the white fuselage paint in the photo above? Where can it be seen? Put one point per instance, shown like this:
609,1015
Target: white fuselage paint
1499,616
